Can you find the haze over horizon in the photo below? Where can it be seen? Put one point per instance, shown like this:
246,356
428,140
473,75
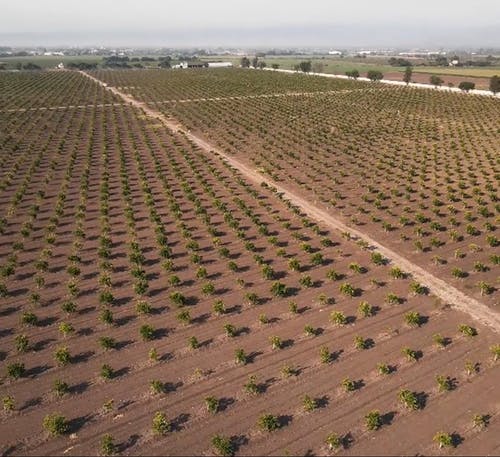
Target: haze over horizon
261,23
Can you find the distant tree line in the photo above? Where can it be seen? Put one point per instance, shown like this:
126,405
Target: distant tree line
82,66
399,62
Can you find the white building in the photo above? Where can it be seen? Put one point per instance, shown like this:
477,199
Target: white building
219,64
335,53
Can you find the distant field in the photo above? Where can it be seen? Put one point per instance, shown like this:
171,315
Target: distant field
48,61
335,65
330,64
478,72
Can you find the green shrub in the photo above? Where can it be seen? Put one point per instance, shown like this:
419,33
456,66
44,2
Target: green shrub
373,420
55,424
161,425
223,445
268,422
409,399
443,439
108,446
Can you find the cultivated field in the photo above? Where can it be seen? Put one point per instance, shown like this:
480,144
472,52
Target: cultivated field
158,295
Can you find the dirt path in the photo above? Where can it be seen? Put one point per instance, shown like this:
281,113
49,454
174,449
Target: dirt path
62,107
279,94
446,292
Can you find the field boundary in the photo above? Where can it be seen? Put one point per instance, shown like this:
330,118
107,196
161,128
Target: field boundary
447,293
484,93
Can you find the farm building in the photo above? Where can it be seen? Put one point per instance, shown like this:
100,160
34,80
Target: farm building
219,64
190,65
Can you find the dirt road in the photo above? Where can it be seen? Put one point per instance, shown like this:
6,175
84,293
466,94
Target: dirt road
446,292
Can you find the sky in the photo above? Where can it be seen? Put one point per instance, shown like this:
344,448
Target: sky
250,23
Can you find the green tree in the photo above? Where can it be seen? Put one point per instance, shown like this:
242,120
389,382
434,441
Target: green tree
466,86
108,447
374,75
268,422
305,66
223,445
407,75
161,425
333,441
443,439
495,84
435,80
373,420
354,74
55,424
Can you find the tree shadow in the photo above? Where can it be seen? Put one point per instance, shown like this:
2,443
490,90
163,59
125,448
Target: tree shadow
253,355
285,420
125,319
202,318
388,418
225,403
79,388
322,402
421,399
233,309
121,372
131,441
456,439
82,357
86,310
32,402
77,423
122,344
42,344
8,311
85,331
172,386
288,343
6,332
35,371
238,441
47,321
347,440
178,423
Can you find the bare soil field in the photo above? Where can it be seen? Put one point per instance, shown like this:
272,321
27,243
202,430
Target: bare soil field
417,77
417,195
142,274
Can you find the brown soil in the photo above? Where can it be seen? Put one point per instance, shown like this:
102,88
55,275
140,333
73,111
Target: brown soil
129,148
481,83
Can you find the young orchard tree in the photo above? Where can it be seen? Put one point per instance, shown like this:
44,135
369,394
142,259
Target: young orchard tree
223,446
309,403
373,420
276,342
161,425
467,330
62,356
60,388
409,399
108,446
55,424
268,422
443,439
338,318
383,369
8,403
212,404
495,352
240,357
333,441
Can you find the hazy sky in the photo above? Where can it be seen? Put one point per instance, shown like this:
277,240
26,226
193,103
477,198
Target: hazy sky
256,22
